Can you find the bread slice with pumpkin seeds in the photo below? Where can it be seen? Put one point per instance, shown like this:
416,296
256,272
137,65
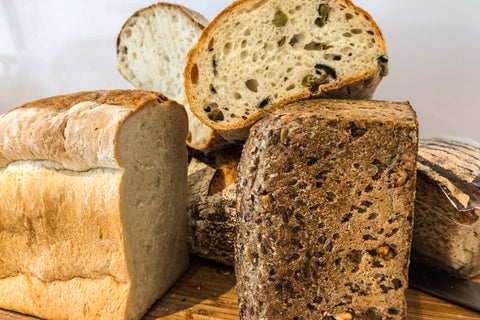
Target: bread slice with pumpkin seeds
257,55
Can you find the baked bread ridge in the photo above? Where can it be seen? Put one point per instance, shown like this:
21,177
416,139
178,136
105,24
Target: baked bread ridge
447,225
152,49
275,52
77,130
211,204
325,194
94,241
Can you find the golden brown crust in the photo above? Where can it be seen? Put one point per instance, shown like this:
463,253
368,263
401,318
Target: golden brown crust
78,130
353,88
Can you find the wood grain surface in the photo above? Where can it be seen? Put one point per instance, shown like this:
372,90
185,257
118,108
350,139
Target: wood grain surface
207,292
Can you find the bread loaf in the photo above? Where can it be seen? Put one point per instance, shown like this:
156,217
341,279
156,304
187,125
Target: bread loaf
447,226
152,50
325,194
211,204
92,204
257,55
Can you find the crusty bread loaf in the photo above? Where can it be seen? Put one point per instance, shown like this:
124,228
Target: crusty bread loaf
92,204
325,211
152,50
447,225
211,204
257,55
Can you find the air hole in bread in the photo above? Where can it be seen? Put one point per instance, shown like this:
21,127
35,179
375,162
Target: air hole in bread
291,87
244,43
237,96
210,44
227,48
252,85
128,33
194,74
247,32
243,54
356,31
124,50
347,35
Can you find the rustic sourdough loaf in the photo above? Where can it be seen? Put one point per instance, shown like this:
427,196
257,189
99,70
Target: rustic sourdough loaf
211,204
447,226
325,210
152,50
257,55
92,204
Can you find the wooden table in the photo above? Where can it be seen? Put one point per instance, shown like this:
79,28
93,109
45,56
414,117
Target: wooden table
207,292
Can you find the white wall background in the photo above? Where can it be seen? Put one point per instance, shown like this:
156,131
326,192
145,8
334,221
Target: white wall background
50,47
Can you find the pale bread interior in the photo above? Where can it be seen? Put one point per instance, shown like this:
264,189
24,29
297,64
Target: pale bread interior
152,54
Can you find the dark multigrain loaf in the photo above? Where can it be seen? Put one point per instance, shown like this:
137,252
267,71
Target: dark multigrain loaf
447,224
325,193
211,204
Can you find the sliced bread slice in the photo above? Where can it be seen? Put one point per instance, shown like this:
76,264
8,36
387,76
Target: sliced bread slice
152,50
257,55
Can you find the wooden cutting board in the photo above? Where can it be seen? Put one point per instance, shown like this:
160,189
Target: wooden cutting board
207,292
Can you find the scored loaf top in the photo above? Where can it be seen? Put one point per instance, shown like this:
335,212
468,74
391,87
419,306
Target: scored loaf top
78,131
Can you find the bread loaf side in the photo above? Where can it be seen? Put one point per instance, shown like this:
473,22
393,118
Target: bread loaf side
92,208
325,195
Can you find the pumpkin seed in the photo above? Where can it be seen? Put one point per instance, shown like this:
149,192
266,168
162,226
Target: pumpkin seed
323,11
280,19
216,115
312,83
316,46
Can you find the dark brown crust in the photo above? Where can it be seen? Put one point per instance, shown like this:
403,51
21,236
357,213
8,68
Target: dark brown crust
347,89
211,205
325,195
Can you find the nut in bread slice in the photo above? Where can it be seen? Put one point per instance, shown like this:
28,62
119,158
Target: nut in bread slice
152,50
257,55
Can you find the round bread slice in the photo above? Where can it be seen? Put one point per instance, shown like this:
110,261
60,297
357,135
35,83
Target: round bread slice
258,55
152,50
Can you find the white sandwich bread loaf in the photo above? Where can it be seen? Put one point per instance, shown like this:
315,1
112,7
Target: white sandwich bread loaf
257,55
152,50
92,204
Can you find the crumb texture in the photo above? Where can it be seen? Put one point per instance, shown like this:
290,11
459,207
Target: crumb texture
152,51
325,197
447,226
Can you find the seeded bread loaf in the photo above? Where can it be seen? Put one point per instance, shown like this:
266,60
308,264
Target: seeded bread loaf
325,195
257,55
92,204
211,204
152,50
447,207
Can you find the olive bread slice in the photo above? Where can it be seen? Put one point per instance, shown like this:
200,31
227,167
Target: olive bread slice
257,55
